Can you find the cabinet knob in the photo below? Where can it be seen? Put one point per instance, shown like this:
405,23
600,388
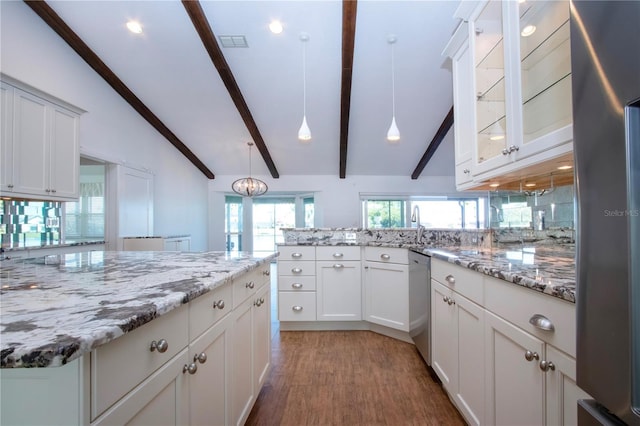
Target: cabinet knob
466,171
296,255
190,368
297,308
511,149
297,286
385,256
541,322
266,272
450,279
530,356
547,365
257,303
47,190
445,299
160,346
201,358
296,270
338,266
53,190
250,285
10,186
219,304
338,255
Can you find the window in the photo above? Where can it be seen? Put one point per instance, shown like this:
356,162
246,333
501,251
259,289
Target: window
384,213
309,212
84,219
269,215
440,212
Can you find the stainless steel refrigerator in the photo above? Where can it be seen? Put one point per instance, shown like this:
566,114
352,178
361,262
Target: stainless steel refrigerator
605,61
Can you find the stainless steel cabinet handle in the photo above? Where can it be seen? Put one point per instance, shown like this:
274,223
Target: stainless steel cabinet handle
201,358
296,308
160,346
296,255
250,284
547,365
338,266
190,368
338,255
296,285
219,304
257,303
445,299
541,322
267,272
451,302
296,270
385,256
450,279
530,356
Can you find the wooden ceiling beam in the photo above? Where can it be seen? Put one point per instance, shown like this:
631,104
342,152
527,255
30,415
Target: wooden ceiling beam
435,143
349,9
201,24
51,18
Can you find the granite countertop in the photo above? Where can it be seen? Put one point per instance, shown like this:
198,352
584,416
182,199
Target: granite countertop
54,246
548,269
55,308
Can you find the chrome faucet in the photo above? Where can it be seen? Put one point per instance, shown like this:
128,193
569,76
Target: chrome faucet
415,217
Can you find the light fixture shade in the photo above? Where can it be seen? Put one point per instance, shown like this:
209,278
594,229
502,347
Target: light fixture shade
304,134
249,187
393,135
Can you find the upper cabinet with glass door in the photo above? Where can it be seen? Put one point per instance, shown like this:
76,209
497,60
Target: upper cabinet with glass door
521,80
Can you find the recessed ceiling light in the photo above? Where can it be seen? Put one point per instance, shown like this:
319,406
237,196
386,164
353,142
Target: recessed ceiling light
528,30
135,27
275,27
494,185
565,167
529,185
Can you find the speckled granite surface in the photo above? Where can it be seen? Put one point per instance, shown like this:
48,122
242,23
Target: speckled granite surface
55,308
547,269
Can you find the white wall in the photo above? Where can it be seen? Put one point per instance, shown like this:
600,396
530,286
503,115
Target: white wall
110,129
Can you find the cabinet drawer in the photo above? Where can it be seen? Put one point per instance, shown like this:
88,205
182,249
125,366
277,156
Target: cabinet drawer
387,255
122,364
296,306
209,308
517,305
464,281
297,253
296,267
246,285
303,283
338,253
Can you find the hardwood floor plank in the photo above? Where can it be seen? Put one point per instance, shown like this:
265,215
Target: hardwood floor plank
349,378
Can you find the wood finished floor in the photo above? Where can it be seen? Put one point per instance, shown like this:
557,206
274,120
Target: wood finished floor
349,378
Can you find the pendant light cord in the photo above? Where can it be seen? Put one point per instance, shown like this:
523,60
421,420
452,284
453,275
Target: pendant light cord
304,78
393,80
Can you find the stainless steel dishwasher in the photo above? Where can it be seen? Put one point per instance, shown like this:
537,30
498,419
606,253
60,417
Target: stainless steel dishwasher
420,303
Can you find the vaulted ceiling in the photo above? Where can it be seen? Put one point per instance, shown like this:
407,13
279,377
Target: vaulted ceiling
209,100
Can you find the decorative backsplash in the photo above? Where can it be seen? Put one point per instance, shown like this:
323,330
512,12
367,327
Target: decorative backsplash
29,223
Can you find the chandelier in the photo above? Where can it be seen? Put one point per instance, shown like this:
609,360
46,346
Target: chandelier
249,187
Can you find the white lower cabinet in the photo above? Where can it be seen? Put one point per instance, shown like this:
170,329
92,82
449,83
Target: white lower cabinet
261,337
338,291
561,389
386,287
458,356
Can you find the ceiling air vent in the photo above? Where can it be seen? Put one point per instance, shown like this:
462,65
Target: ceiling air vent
233,41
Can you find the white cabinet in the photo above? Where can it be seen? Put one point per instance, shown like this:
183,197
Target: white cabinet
177,244
561,389
457,337
338,284
386,287
250,342
40,146
297,283
517,105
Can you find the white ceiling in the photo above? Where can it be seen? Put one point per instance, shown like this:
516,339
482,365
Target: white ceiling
168,68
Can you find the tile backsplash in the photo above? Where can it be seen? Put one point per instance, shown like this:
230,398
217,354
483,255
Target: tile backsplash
29,223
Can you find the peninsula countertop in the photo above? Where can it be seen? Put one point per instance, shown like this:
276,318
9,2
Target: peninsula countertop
55,308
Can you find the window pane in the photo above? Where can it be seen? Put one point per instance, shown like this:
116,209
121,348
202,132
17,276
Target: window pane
233,223
385,214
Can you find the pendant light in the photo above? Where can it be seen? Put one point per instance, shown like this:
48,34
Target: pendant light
304,134
393,135
249,187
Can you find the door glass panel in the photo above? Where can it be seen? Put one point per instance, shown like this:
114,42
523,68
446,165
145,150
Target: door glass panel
545,61
233,223
490,84
269,216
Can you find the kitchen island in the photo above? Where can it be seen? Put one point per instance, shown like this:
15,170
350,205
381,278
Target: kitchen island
150,311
